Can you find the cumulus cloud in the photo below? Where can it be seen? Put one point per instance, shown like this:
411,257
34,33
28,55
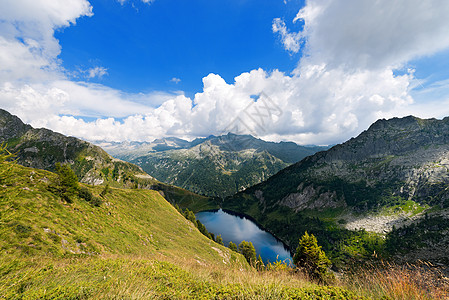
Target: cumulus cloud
364,34
344,81
28,48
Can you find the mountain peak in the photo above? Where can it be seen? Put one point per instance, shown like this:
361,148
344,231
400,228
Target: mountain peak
11,126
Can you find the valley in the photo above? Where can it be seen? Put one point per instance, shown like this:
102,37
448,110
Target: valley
379,196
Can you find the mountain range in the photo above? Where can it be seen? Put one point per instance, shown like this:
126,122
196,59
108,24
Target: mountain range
391,181
217,166
42,148
384,192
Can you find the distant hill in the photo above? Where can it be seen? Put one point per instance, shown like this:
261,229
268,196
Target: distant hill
390,180
215,166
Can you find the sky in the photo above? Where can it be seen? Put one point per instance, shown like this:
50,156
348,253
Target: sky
313,72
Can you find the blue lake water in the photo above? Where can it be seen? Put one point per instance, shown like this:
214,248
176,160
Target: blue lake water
237,229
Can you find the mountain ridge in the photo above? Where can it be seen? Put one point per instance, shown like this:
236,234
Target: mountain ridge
42,148
229,163
392,175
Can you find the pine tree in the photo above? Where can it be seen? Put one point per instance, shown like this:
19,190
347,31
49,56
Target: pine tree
248,251
219,239
233,246
311,258
189,215
66,183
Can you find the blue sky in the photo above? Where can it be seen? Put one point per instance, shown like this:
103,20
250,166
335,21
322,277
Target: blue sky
312,71
145,46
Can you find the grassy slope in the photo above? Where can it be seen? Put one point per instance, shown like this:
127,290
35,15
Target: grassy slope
135,245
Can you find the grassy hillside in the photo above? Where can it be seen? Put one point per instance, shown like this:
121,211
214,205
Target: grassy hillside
133,245
34,221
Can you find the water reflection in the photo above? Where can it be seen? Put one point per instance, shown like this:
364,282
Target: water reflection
236,229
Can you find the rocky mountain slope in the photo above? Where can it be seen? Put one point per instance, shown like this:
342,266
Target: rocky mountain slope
215,166
384,179
43,148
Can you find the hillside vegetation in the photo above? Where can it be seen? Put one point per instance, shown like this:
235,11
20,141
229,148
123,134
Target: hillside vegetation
133,244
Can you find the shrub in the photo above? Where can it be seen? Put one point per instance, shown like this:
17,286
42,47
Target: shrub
85,194
96,201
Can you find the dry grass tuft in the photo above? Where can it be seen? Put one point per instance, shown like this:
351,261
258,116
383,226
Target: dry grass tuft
391,281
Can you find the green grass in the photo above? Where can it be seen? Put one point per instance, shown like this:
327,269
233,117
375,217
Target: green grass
408,206
34,221
135,245
136,278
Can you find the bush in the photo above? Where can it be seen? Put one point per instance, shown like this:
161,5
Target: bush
96,201
85,194
312,259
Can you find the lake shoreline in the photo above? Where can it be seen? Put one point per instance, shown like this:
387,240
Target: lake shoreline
242,216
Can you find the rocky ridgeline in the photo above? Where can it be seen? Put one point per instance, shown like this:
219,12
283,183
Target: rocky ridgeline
214,166
43,148
406,158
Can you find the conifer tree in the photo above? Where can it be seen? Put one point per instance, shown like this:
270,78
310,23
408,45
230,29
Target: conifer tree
66,183
233,246
248,251
219,239
189,215
311,258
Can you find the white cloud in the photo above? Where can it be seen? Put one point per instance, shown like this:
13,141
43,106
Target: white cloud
98,72
175,80
290,40
345,82
365,34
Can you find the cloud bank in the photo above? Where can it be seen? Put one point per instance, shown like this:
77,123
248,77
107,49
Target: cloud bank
344,81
